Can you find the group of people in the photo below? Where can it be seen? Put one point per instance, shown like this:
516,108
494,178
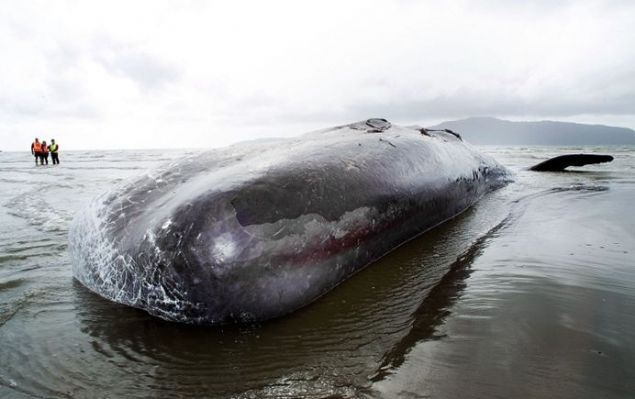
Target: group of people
41,152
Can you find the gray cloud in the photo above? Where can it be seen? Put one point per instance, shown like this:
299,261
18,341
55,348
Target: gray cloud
146,70
463,104
211,72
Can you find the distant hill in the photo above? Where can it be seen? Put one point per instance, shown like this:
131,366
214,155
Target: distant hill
485,130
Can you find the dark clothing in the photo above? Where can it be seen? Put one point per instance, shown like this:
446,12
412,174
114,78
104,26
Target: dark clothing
54,148
45,153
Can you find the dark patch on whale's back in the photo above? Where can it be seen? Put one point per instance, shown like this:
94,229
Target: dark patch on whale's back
285,195
271,198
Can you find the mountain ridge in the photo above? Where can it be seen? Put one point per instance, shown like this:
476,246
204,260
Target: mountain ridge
490,130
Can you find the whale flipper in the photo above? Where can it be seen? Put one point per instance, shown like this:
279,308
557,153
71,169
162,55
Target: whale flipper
563,161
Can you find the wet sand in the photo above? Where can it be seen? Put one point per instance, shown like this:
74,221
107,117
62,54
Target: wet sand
528,294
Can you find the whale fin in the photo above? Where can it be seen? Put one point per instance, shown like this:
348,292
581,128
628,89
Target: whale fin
563,161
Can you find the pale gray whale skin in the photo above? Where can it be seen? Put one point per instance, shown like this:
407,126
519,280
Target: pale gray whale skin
259,229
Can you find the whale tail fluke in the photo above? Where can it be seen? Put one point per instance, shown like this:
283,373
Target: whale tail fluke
561,162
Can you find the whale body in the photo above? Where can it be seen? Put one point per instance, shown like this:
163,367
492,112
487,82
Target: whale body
257,230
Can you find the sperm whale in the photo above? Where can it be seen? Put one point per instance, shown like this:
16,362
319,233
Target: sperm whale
259,229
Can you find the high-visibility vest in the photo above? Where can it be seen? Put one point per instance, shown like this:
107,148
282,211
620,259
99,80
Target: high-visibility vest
45,149
37,147
53,147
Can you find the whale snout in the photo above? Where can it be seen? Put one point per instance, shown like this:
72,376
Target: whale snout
201,265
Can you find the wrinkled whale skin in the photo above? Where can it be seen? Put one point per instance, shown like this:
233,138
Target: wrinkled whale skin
259,229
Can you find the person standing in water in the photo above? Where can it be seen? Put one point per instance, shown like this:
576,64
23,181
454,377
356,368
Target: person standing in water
44,153
54,148
36,150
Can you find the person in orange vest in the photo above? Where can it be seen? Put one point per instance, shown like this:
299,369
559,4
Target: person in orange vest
36,150
54,148
44,153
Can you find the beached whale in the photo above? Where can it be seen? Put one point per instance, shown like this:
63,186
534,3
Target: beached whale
259,229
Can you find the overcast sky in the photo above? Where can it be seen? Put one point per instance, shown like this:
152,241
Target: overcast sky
155,74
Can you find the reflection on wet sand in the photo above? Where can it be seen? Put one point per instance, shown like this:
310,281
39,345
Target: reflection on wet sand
333,347
435,307
543,313
540,307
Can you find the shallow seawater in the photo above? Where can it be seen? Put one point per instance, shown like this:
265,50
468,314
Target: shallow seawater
531,293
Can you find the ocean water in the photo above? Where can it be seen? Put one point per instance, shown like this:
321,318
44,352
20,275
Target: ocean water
531,293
